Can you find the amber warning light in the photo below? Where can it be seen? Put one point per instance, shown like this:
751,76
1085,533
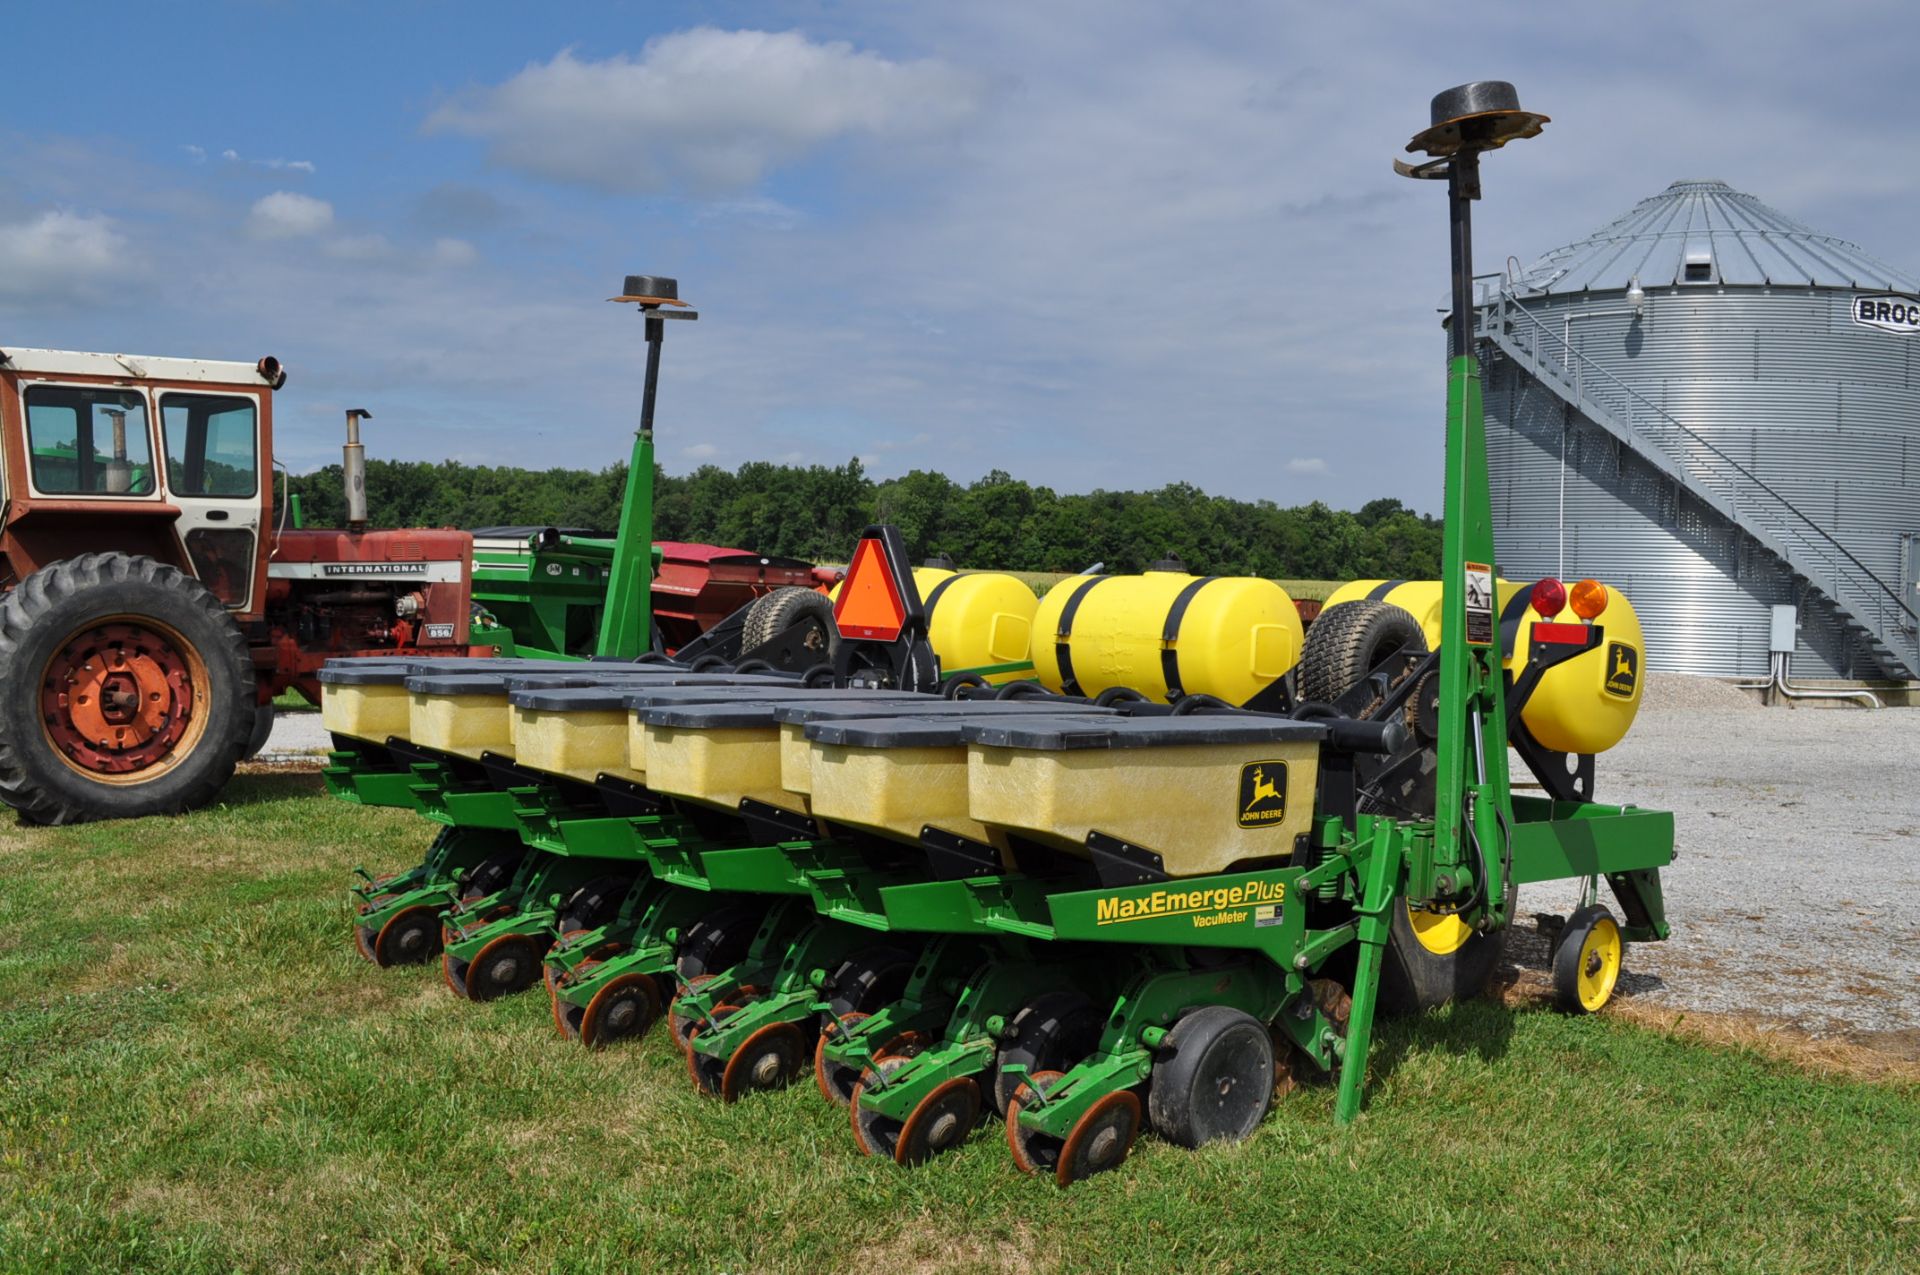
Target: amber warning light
870,608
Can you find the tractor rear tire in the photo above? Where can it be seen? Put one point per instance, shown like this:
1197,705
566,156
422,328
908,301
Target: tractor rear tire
770,616
182,708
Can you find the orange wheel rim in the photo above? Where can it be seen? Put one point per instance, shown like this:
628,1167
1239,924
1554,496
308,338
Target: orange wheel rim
123,698
1083,1129
923,1109
735,1074
820,1062
1041,1080
590,1021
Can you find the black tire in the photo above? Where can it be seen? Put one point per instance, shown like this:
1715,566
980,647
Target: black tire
55,606
1345,644
716,942
1214,1079
491,875
1052,1032
1413,978
770,616
1347,641
592,905
263,715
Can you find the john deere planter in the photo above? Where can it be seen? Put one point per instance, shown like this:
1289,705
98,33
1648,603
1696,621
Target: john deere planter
1197,851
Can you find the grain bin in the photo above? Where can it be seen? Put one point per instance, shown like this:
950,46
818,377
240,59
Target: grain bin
1717,409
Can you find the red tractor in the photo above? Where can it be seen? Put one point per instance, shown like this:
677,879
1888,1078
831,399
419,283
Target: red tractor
156,600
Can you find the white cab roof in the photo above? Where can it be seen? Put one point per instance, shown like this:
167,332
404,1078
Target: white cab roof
140,366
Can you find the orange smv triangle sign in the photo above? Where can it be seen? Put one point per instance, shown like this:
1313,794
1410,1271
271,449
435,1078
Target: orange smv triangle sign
870,607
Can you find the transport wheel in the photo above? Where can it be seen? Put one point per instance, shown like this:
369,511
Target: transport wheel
1344,644
625,1008
363,942
1215,1078
1586,965
1100,1139
507,965
126,689
767,1060
874,1133
411,937
716,942
1032,1152
942,1121
836,1081
770,616
1051,1033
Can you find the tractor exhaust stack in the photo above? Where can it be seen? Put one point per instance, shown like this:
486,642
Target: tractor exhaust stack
353,470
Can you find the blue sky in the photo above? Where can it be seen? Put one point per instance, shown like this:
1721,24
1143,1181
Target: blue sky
1093,244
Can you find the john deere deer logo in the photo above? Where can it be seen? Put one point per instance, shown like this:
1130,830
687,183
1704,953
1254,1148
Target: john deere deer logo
1623,669
1263,794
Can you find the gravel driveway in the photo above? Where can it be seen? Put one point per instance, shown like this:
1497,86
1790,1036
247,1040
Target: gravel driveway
1795,895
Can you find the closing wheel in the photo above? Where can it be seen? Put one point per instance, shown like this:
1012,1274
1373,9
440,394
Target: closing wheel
1032,1152
940,1122
625,1008
874,1133
410,937
680,1024
363,936
507,965
566,1020
1586,965
835,1081
1215,1078
453,972
769,1059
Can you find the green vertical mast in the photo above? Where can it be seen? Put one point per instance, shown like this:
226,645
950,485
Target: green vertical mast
626,627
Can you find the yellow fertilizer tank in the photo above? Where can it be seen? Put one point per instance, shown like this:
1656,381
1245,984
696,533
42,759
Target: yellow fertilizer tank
1583,706
975,619
1165,632
1202,793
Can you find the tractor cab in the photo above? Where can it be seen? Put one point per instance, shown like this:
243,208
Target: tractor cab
162,457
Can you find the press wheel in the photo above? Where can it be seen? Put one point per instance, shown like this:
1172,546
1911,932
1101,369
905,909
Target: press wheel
507,965
768,1059
874,1133
679,1023
410,937
1100,1139
626,1007
940,1122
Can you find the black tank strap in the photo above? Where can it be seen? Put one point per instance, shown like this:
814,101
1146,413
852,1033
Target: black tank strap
1063,640
1381,590
938,589
1510,616
1170,635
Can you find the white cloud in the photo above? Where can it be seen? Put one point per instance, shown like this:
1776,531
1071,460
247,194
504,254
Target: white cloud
235,157
360,247
707,110
56,254
198,154
1308,467
285,214
453,252
700,451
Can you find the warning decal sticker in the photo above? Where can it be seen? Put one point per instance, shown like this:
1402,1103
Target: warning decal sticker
1479,584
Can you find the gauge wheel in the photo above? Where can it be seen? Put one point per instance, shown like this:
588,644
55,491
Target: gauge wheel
1586,964
1214,1079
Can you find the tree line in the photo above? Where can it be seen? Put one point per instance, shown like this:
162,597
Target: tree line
815,512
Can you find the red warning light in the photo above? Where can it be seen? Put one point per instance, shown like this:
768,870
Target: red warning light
870,608
1549,598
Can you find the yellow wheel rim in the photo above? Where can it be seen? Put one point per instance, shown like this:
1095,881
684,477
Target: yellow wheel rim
1442,933
1599,964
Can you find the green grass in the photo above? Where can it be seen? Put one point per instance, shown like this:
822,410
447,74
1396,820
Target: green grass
198,1074
292,702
